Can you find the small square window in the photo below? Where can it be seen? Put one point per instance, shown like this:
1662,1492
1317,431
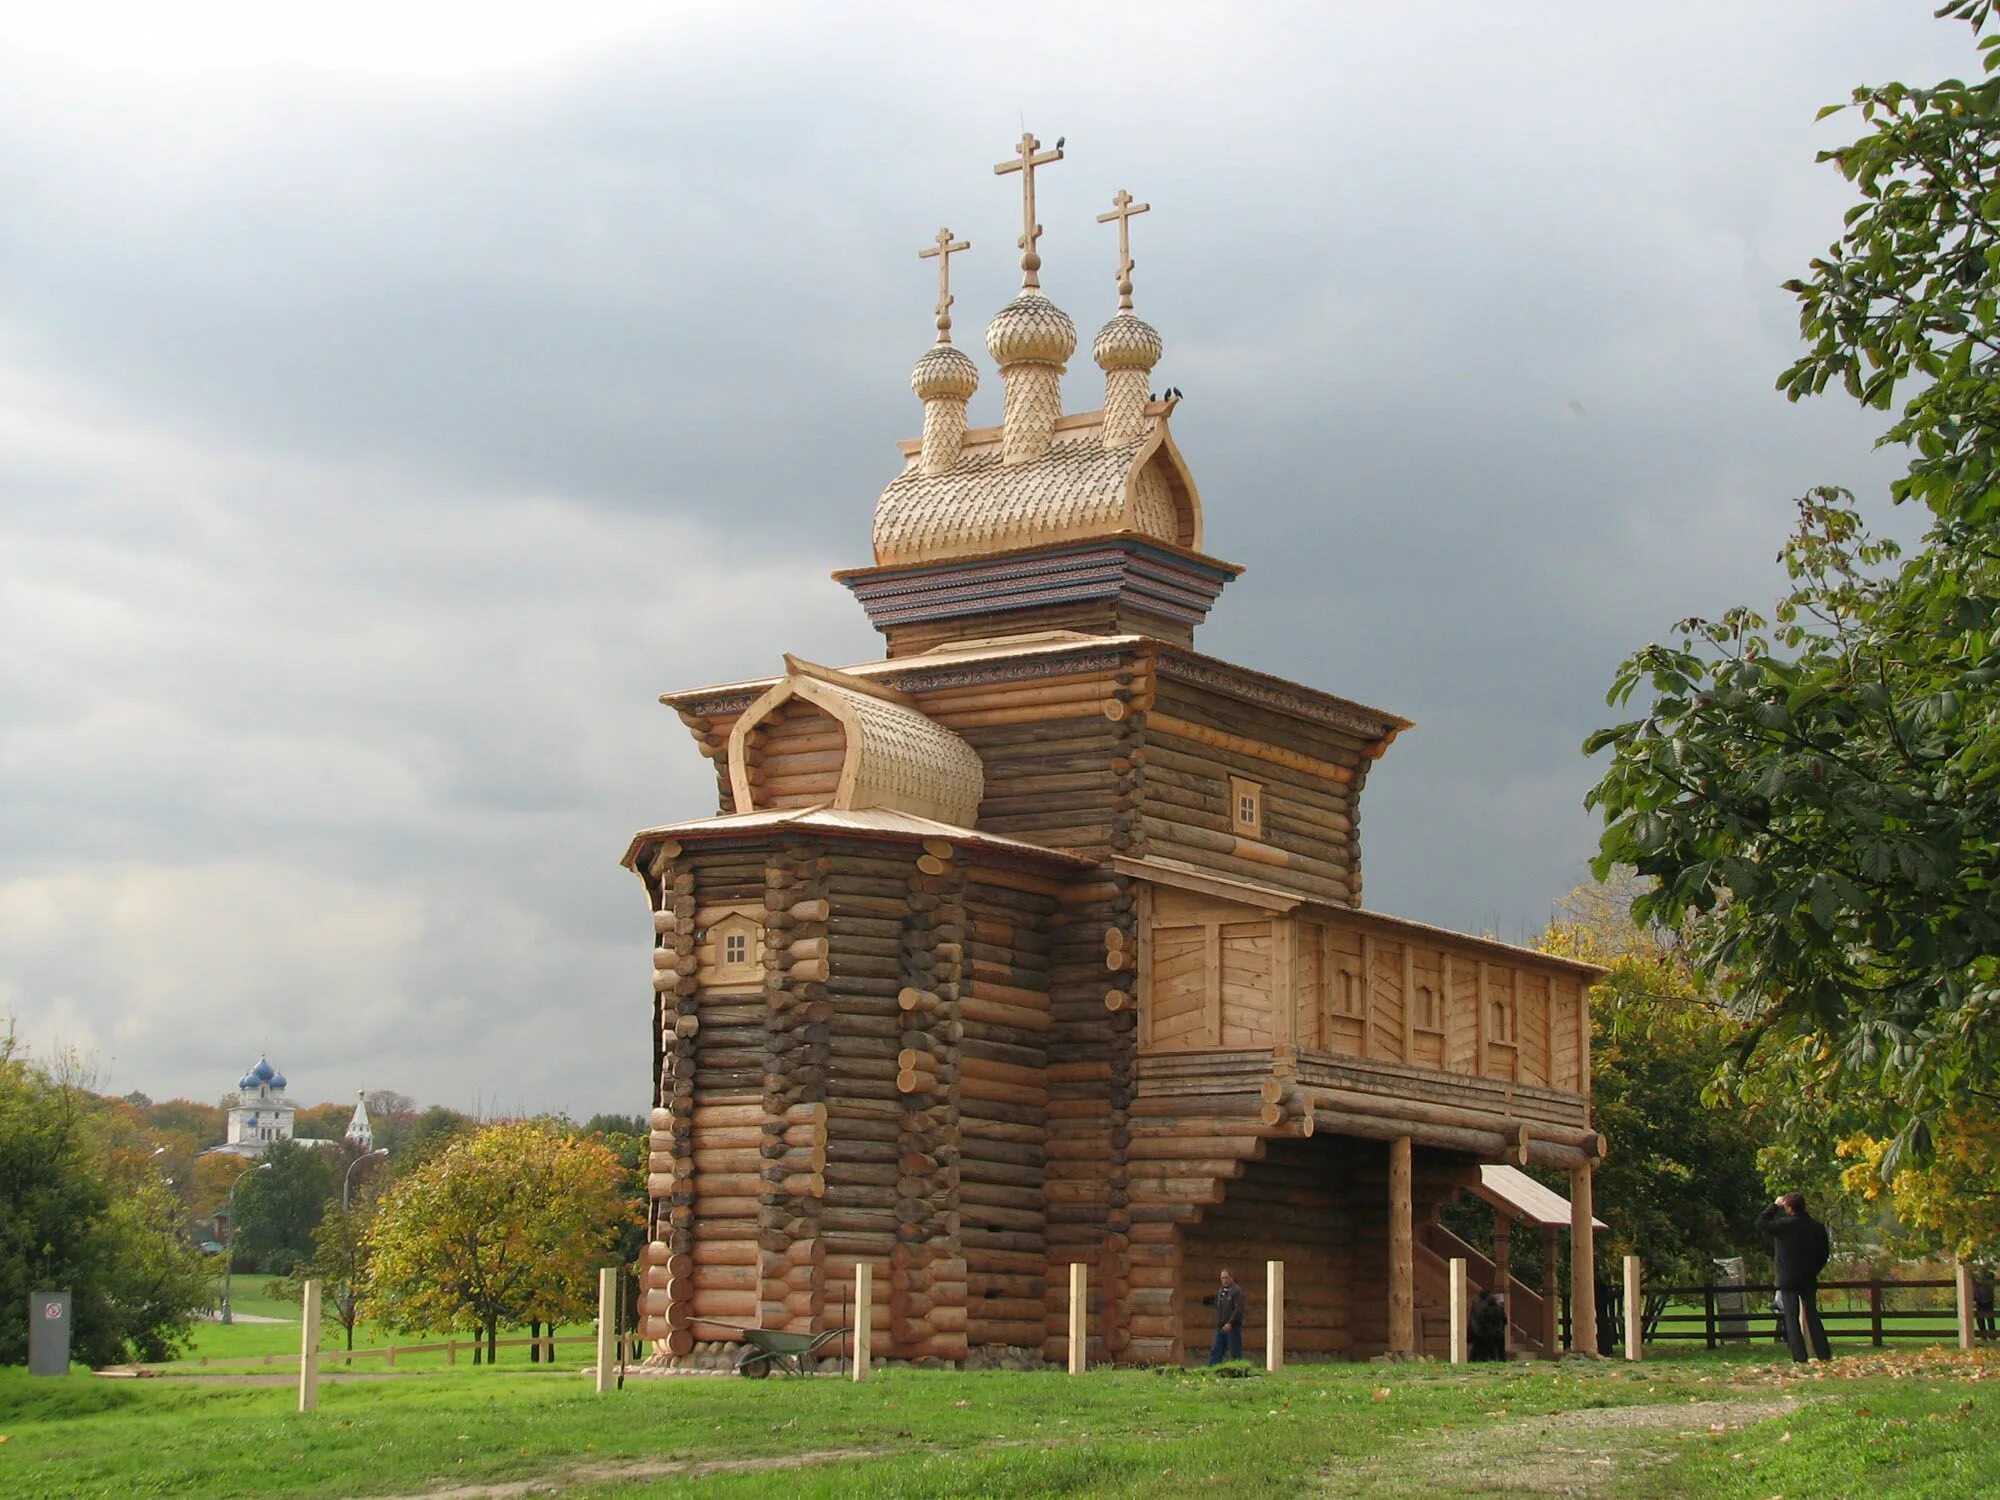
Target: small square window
736,948
1246,807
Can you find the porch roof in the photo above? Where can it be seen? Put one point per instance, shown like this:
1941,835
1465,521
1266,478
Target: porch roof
1525,1200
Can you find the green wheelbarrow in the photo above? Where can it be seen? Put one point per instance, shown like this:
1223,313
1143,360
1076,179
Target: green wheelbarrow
768,1349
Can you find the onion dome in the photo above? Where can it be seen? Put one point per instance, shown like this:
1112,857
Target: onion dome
1031,330
945,370
1127,343
263,1073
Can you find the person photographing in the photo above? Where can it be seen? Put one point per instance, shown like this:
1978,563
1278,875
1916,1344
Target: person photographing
1799,1247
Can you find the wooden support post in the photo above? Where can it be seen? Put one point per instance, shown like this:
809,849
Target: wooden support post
1461,1314
1079,1303
1551,1301
1582,1264
607,1328
1503,1237
864,1317
1965,1319
309,1348
1635,1309
389,1358
1274,1315
1402,1252
450,1352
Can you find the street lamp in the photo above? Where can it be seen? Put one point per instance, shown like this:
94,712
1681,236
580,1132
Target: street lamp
229,1245
347,1180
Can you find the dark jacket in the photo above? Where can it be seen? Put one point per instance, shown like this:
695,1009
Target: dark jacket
1229,1306
1799,1245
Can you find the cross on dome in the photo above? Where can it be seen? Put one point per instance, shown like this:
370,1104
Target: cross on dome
1029,155
942,251
1123,209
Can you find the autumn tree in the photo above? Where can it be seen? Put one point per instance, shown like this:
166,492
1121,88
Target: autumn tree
1817,794
502,1224
340,1261
1679,1184
78,1212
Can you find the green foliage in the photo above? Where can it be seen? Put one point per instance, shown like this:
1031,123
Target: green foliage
279,1205
340,1260
502,1225
77,1213
1679,1184
1818,795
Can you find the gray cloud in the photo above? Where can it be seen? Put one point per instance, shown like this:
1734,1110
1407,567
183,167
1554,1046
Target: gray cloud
384,423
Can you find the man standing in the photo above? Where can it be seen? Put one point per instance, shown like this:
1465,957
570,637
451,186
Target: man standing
1800,1247
1228,1322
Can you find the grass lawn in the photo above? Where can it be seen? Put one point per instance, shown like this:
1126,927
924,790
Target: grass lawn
280,1341
1899,1427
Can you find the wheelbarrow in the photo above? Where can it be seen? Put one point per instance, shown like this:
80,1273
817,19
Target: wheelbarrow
769,1349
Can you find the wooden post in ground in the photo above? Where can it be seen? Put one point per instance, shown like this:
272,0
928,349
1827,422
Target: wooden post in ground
1079,1304
607,1328
1274,1315
1402,1252
1582,1264
450,1352
864,1317
309,1348
1551,1295
1965,1318
1503,1234
1461,1313
1635,1309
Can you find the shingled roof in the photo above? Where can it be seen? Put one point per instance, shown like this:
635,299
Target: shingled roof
1078,488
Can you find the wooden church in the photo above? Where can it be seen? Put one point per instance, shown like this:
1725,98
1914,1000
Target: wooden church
1041,939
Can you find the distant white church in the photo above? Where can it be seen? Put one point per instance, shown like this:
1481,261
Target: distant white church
262,1114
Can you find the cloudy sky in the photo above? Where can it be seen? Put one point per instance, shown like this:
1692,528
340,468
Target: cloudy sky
394,400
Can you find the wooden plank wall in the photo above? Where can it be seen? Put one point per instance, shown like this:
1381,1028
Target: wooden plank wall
1214,966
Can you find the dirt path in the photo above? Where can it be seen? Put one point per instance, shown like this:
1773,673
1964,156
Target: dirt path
1575,1455
616,1471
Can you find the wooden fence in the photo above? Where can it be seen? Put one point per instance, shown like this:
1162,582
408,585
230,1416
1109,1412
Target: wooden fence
1708,1314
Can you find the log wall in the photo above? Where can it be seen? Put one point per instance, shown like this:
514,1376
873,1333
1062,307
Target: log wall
1196,738
1321,1206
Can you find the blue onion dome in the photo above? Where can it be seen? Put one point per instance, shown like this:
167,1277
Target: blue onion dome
262,1073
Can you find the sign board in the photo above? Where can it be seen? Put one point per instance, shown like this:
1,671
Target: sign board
48,1333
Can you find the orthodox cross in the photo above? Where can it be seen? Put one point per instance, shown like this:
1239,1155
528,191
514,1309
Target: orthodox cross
943,250
1029,156
1122,209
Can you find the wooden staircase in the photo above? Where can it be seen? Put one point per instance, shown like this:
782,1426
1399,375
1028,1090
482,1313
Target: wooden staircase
1436,1248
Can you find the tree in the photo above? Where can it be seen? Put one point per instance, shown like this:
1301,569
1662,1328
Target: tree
1951,1203
501,1225
1818,796
1679,1184
278,1209
76,1214
340,1260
